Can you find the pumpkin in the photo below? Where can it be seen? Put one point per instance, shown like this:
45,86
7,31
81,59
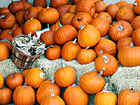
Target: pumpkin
16,6
1,80
63,9
86,6
136,7
95,1
4,52
86,56
58,3
7,43
7,20
47,37
44,90
120,30
105,46
121,3
112,9
55,26
24,72
20,17
72,9
53,52
39,8
15,26
65,75
26,4
136,37
125,13
81,18
52,100
70,50
65,33
88,36
92,82
31,12
102,25
31,26
75,1
129,97
95,16
105,16
7,33
3,10
35,77
107,62
48,15
5,96
136,22
107,97
126,41
17,32
128,56
24,95
74,95
42,3
130,5
100,6
66,19
13,80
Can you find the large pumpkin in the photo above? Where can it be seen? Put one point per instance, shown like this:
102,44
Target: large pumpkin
4,52
1,80
88,36
74,95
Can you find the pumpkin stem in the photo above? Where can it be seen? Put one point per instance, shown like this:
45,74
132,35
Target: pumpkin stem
92,9
120,27
74,41
48,26
11,76
105,88
82,27
101,72
73,85
48,7
87,48
52,94
135,4
62,63
42,75
25,85
131,44
2,17
53,80
10,32
60,25
106,60
132,90
108,18
101,51
27,12
79,19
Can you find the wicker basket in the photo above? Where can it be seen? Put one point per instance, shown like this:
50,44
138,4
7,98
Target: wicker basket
20,59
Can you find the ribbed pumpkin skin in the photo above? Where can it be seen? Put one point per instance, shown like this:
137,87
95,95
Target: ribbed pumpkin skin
91,83
65,76
129,56
136,22
107,97
63,9
70,50
120,30
137,8
67,18
42,3
58,3
24,95
55,26
1,80
126,97
44,90
110,64
105,46
105,16
121,3
64,34
74,95
136,37
89,36
4,52
34,77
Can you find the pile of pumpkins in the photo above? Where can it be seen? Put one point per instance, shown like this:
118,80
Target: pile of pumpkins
77,31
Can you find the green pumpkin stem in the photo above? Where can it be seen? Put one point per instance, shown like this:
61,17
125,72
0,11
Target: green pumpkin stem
131,44
60,25
132,90
101,72
52,94
62,63
2,17
82,27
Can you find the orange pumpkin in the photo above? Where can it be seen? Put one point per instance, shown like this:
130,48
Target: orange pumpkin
70,50
6,34
81,18
105,16
35,77
5,96
121,3
21,92
75,1
64,80
44,90
17,32
136,7
53,52
1,80
88,36
39,8
55,26
95,16
74,95
129,97
130,5
72,9
102,25
136,37
24,72
100,6
136,22
26,4
120,30
92,82
20,17
31,26
66,19
4,52
42,3
4,9
15,26
107,62
7,43
58,3
95,1
105,46
48,15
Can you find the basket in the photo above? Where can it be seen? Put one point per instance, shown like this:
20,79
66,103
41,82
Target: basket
20,59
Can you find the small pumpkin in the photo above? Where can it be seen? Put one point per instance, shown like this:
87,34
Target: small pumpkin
100,6
64,80
53,52
42,3
92,82
95,16
35,77
4,52
7,33
44,90
39,8
24,95
15,26
24,72
72,9
136,37
95,1
66,19
26,4
75,1
106,16
70,50
55,26
5,96
129,97
86,56
136,22
3,10
58,3
1,80
121,3
20,17
13,80
7,43
136,7
74,95
17,32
